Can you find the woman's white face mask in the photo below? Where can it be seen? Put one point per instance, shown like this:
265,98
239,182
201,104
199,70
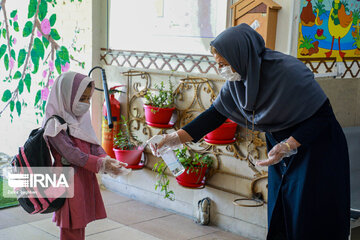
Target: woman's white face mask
81,108
227,73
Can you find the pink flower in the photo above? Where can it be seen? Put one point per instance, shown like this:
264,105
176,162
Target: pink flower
12,62
45,26
44,74
44,93
30,65
51,82
16,17
51,66
14,41
39,33
65,68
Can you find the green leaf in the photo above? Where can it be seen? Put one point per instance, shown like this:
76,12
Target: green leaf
52,20
12,105
37,52
11,41
21,86
39,47
6,95
42,10
45,41
63,54
43,107
16,26
18,108
32,8
58,65
35,59
54,34
4,33
17,75
27,81
2,50
13,54
37,97
13,13
27,29
6,61
21,57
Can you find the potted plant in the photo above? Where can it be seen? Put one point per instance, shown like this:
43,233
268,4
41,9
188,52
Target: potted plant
159,105
223,134
125,149
195,168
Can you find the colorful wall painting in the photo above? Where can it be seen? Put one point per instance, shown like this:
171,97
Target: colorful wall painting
329,28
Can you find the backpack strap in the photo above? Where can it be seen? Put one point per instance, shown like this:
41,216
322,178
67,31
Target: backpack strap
60,119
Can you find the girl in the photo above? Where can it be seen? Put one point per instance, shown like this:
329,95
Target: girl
70,99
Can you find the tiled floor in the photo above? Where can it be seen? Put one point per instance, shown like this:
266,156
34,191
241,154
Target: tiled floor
127,219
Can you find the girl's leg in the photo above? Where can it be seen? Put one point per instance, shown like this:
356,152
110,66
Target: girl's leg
72,234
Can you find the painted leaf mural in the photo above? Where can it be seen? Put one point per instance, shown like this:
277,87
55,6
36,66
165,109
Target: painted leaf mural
30,53
329,29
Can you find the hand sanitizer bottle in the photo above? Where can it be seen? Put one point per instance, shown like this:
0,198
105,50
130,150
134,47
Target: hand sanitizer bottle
169,157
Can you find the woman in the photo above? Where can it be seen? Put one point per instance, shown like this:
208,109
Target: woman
308,183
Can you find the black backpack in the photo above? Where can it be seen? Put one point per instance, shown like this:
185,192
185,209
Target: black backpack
35,153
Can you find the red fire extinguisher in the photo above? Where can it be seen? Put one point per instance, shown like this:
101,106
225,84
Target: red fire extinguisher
108,134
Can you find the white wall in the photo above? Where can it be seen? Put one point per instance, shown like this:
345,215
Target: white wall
69,16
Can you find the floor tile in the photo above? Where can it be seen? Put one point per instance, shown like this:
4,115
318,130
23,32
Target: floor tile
111,198
220,235
48,226
25,231
174,227
122,233
131,212
8,221
20,214
92,228
101,226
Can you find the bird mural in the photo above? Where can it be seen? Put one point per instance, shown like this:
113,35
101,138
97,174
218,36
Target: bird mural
339,24
307,16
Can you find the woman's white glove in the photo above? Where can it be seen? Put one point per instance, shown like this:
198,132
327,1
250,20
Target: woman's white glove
277,153
160,143
113,167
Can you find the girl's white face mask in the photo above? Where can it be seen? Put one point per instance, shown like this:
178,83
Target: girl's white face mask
81,108
227,73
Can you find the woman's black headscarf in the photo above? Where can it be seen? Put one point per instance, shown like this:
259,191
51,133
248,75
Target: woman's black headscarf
279,88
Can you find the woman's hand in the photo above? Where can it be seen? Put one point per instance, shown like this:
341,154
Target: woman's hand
171,140
281,150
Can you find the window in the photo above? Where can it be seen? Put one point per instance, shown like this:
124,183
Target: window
186,26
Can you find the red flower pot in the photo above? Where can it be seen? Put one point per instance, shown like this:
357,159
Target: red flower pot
225,132
131,157
158,115
193,178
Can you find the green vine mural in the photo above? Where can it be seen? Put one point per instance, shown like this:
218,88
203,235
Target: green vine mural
34,67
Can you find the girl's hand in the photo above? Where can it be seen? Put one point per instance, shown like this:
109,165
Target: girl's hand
114,167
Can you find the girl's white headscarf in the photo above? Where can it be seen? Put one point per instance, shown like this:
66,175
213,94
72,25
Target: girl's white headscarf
64,95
